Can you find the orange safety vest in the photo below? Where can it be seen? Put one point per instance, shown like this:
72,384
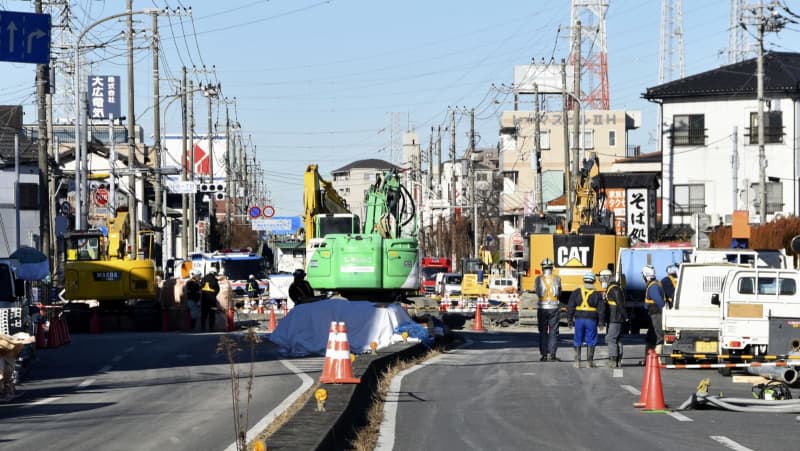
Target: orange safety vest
585,307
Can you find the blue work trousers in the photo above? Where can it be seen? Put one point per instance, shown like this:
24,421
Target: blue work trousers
547,320
585,331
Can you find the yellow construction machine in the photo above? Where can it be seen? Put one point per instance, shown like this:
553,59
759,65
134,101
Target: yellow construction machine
103,269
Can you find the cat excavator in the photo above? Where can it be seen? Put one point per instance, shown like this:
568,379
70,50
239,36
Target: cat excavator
590,244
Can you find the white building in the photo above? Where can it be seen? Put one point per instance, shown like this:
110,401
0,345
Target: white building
709,141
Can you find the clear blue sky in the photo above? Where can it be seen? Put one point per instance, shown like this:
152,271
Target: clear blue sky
318,81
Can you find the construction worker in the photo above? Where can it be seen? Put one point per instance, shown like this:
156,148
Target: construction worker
617,316
208,302
300,290
192,294
548,312
253,291
654,303
585,311
669,283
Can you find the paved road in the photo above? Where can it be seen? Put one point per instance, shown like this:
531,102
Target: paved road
143,391
494,393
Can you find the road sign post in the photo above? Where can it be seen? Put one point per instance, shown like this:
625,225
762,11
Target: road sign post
24,37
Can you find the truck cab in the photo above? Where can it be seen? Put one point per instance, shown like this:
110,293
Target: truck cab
691,327
448,284
746,301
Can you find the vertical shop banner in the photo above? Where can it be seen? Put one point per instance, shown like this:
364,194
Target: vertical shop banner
638,215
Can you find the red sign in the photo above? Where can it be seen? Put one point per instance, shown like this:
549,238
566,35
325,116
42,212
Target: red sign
269,211
101,197
516,238
202,164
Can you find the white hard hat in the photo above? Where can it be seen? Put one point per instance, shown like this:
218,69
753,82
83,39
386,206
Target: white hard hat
606,273
672,269
195,273
213,270
588,277
648,271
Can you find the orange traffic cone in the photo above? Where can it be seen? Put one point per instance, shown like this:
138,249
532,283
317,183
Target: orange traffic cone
477,325
95,323
230,320
645,382
655,393
273,323
328,367
41,342
342,367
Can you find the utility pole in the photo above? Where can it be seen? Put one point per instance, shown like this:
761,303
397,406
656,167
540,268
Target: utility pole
762,160
184,169
576,91
453,185
132,208
535,161
228,178
157,214
42,81
474,196
193,199
773,22
565,128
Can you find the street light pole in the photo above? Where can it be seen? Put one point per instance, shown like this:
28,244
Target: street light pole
81,155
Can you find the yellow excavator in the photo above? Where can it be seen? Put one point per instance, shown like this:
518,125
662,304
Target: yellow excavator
590,245
102,269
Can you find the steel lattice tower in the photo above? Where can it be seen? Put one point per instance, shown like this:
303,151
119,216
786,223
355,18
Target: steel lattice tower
594,51
670,50
740,44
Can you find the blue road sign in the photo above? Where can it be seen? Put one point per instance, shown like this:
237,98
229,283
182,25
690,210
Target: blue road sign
24,37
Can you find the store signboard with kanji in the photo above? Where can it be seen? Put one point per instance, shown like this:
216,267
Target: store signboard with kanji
638,215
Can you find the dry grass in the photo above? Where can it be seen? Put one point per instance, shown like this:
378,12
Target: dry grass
367,437
776,234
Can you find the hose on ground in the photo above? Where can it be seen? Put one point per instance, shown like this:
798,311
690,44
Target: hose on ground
742,404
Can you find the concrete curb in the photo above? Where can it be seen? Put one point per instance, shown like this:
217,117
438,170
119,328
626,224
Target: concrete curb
347,406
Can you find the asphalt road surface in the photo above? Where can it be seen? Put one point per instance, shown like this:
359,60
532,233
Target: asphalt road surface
144,391
494,393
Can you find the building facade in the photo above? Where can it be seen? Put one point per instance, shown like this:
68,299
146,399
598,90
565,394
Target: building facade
709,141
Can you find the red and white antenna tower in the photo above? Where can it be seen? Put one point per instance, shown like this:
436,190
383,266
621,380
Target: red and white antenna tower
594,51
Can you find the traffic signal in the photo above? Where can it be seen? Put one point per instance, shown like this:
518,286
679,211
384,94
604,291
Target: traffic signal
216,189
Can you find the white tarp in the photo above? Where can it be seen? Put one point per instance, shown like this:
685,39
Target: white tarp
305,330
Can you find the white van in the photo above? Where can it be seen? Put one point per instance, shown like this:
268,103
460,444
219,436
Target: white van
747,300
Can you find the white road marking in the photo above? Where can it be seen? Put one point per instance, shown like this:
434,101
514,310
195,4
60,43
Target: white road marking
130,349
386,436
105,369
116,358
679,416
45,401
728,443
528,374
631,390
306,382
86,383
495,341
